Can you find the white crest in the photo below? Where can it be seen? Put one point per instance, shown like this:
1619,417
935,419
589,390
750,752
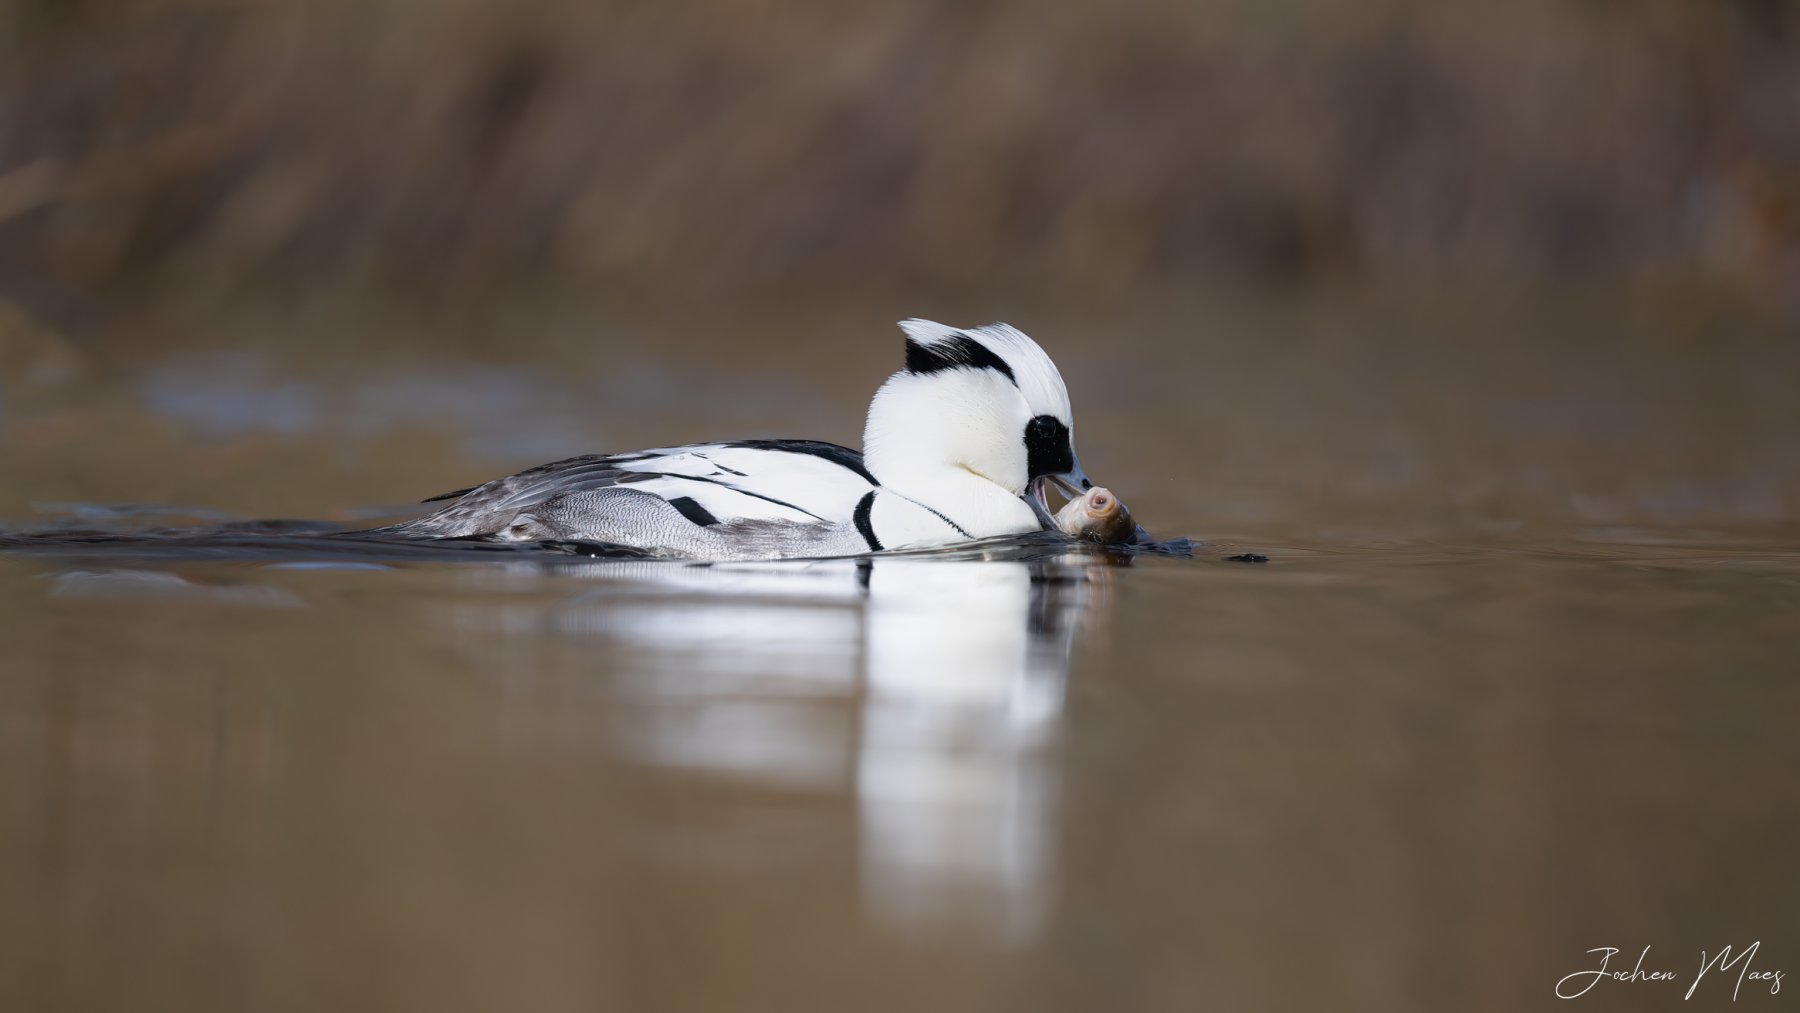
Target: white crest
1036,376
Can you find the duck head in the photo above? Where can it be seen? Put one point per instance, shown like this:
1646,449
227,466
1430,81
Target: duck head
978,401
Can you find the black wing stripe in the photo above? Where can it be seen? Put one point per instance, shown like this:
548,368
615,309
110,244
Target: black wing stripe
721,467
843,457
598,471
694,511
864,525
745,492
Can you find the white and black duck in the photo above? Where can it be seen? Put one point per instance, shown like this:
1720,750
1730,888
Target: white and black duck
958,446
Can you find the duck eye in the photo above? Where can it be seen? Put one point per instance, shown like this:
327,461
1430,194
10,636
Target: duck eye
1047,450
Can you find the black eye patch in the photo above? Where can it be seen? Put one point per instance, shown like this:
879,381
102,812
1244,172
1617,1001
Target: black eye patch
1047,450
961,351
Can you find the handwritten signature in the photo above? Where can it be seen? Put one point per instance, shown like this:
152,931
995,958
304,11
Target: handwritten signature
1573,986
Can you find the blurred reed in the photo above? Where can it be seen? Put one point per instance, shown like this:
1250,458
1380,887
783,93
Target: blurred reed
472,148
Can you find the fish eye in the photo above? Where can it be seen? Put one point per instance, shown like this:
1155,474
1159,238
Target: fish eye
1047,449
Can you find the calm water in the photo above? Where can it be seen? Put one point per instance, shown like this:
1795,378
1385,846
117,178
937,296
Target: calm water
1517,682
1404,776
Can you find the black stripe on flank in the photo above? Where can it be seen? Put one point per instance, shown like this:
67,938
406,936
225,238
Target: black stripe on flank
694,511
959,352
863,524
946,520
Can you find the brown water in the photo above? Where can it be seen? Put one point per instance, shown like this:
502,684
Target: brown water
1490,704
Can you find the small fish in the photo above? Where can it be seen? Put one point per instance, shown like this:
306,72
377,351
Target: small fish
1097,516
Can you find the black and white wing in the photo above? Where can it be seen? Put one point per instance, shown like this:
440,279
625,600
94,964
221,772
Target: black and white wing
799,482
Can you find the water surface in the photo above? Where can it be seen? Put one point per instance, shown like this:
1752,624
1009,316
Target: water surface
1517,682
1407,775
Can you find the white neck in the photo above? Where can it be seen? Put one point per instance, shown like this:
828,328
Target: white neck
951,443
974,504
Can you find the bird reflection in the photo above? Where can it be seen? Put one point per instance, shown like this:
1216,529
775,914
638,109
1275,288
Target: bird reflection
930,689
965,672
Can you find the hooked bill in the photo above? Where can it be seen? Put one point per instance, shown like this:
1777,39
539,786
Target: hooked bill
1097,516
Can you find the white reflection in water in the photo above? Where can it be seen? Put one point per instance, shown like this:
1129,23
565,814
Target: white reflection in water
965,669
930,688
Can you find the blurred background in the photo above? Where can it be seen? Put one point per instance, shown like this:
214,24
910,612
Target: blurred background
1299,260
476,151
1479,319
